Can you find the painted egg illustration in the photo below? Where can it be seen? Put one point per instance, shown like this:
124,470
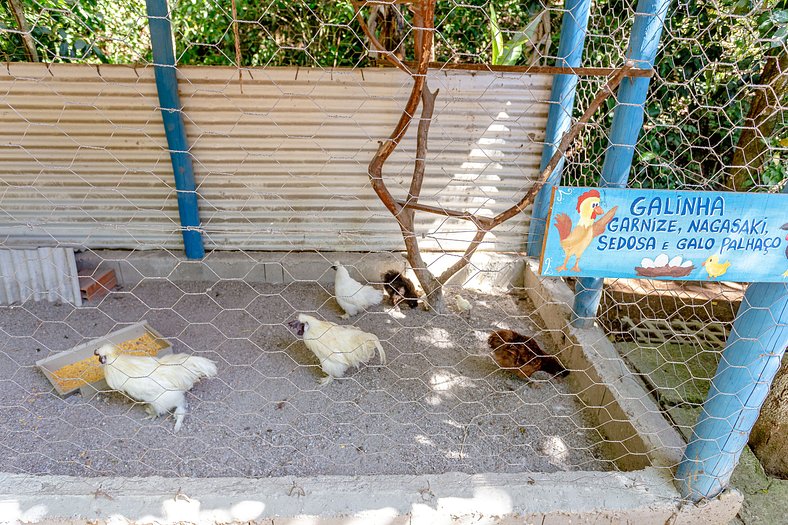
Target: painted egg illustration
661,260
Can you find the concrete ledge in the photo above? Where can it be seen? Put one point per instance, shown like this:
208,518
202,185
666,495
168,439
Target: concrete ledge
645,497
488,271
636,432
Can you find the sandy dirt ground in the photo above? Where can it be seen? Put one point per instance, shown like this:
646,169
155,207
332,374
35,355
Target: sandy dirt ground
439,405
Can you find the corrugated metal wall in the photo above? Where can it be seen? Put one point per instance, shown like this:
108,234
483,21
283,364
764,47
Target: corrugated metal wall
280,166
48,274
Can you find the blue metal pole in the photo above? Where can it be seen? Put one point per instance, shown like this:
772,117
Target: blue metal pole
627,123
559,118
167,87
749,363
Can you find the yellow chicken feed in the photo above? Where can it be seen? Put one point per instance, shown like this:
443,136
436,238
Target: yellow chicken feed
89,369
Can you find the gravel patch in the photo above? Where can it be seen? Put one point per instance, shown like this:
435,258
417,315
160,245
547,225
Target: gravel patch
439,405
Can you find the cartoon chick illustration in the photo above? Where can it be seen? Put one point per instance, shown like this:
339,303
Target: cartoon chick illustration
574,241
713,266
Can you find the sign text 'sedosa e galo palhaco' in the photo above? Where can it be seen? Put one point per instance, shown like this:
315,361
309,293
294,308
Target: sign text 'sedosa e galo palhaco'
662,234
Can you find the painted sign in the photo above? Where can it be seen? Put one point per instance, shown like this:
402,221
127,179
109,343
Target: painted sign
662,234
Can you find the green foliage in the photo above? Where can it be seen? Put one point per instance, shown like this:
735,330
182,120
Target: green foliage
509,53
709,59
278,33
79,31
274,33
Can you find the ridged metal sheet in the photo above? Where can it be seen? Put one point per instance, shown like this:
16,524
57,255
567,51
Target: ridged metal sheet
43,274
280,164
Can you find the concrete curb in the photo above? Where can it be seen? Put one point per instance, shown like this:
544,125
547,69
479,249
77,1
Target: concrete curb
489,271
637,433
645,497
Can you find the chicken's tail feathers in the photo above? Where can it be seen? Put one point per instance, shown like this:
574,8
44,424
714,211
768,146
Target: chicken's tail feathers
553,366
201,366
375,296
198,366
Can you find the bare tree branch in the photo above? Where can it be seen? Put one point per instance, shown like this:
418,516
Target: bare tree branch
429,284
425,12
27,38
466,257
543,70
373,40
404,210
566,141
485,224
446,212
237,46
428,108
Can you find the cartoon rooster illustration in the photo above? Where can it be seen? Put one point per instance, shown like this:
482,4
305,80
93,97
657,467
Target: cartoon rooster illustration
574,241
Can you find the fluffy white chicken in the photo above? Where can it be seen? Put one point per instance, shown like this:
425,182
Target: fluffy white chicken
337,347
162,382
351,295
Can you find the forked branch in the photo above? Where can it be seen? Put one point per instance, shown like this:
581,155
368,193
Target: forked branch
404,210
485,224
373,40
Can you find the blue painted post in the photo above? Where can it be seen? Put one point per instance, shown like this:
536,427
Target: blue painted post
749,363
559,118
627,123
167,87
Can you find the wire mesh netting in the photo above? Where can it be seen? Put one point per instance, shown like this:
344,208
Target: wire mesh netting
280,133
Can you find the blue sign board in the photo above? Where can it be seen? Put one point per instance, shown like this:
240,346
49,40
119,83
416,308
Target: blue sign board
663,234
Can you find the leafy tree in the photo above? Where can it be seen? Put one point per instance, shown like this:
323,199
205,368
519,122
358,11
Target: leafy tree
711,55
99,31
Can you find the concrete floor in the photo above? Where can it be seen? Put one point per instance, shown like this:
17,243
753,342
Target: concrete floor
439,405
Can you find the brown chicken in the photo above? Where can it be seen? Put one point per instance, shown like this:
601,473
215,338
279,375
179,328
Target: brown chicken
522,355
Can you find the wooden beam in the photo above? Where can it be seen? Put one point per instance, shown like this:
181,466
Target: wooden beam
633,72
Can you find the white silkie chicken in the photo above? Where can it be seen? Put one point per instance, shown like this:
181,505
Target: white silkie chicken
162,382
351,295
337,347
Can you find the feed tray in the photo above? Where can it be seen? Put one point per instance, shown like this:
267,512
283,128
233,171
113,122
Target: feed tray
79,369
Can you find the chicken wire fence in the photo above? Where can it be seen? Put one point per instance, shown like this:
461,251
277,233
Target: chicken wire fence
280,134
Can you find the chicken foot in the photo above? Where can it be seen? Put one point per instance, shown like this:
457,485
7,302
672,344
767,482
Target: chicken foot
563,267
